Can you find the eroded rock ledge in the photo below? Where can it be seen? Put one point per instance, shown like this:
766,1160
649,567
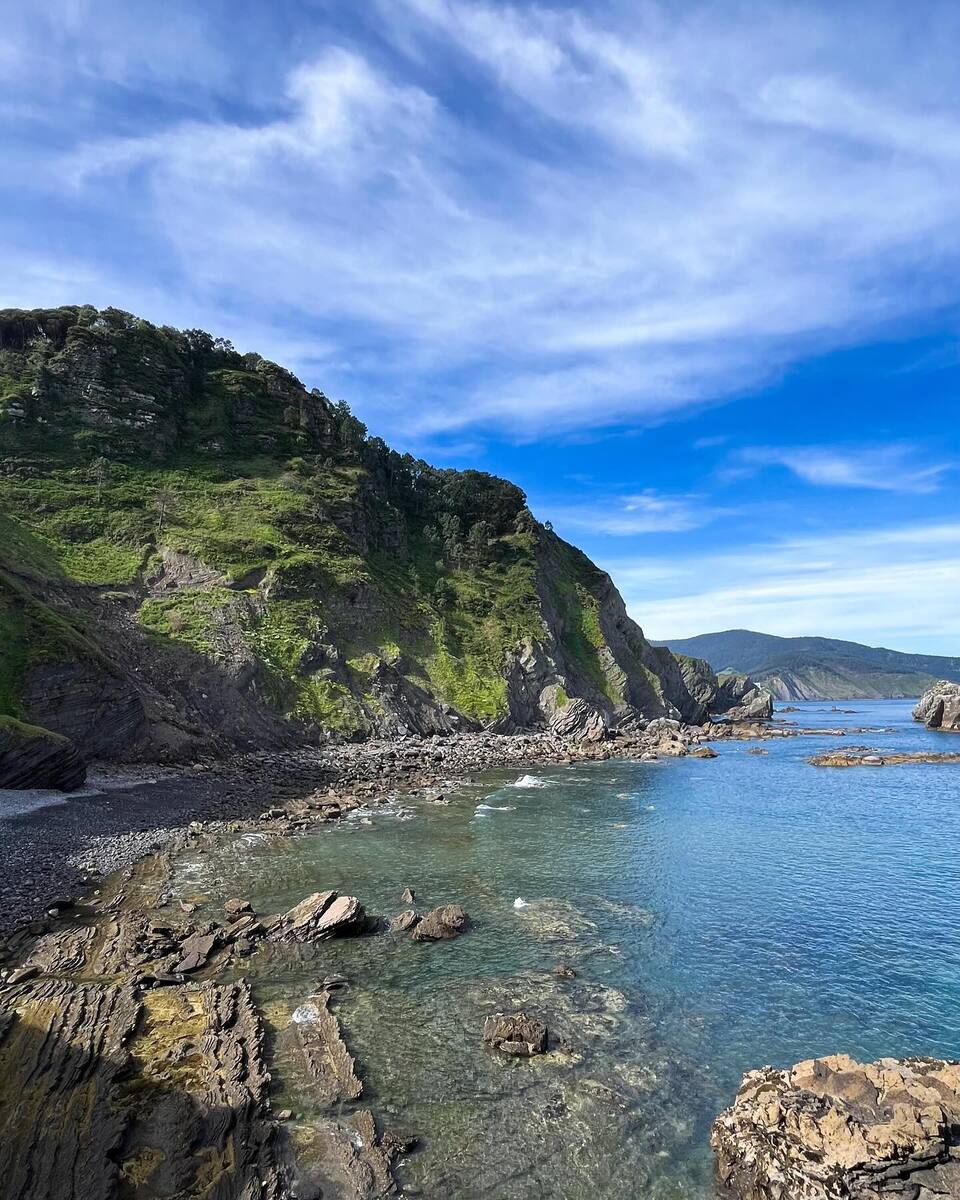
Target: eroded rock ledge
835,1129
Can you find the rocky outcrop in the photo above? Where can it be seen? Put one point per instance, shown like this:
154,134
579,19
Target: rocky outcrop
441,924
939,707
738,698
203,555
36,758
836,1129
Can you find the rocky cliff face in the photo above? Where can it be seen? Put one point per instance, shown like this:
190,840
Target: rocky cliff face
939,707
37,758
197,553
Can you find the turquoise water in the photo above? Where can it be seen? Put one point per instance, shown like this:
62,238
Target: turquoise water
720,914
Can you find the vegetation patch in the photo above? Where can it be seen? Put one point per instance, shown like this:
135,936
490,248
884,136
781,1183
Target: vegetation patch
191,616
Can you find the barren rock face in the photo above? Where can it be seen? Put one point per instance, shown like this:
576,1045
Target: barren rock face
835,1129
939,707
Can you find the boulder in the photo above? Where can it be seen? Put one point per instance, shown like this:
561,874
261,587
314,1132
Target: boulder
516,1034
939,707
405,921
322,915
31,757
441,924
580,721
195,952
833,1127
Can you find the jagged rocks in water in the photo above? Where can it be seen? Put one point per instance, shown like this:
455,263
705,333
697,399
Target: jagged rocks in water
516,1034
441,924
836,1129
405,921
939,707
322,915
31,757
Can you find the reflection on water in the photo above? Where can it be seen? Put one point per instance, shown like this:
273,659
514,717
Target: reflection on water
718,915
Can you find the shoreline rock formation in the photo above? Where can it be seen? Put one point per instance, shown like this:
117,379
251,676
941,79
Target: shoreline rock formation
939,707
36,758
836,1129
199,555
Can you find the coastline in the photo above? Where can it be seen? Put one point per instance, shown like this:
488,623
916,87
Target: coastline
59,851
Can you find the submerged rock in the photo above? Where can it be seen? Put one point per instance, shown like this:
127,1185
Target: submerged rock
939,707
515,1033
833,1128
441,924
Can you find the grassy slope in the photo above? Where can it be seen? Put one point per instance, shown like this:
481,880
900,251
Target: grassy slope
347,538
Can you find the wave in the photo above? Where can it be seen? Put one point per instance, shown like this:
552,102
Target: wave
529,781
495,808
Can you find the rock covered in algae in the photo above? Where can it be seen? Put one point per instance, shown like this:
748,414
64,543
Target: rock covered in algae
516,1033
835,1129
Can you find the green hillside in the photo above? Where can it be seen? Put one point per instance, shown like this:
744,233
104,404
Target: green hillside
810,668
197,551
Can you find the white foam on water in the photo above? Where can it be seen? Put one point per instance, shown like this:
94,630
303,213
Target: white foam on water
306,1014
529,781
520,903
495,808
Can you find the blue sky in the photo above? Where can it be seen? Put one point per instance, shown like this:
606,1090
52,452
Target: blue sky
687,273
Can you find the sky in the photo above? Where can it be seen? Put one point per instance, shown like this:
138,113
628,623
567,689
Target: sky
687,273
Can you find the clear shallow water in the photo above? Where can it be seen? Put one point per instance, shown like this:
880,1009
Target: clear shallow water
720,914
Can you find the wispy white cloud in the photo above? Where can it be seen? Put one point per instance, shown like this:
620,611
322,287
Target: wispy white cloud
888,468
659,213
895,586
644,512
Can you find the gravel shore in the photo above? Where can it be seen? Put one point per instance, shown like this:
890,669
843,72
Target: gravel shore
58,851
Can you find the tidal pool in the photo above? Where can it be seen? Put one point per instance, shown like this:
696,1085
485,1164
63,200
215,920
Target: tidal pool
719,914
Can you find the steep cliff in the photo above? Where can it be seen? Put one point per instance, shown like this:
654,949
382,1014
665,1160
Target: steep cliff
198,553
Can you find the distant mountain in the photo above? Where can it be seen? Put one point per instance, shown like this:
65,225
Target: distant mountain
816,668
